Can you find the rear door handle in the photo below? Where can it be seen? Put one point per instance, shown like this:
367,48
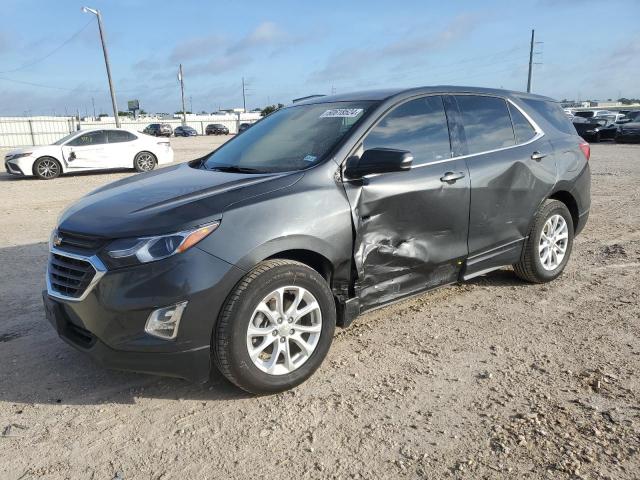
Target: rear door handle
537,156
451,177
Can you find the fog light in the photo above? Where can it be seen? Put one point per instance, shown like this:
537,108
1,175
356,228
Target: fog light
164,322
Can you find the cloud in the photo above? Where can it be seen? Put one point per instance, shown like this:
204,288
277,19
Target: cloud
460,27
220,64
352,61
267,34
5,42
196,48
147,65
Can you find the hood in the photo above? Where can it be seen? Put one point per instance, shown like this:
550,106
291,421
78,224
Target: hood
39,149
165,201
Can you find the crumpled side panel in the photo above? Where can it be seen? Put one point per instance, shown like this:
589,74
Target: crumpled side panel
410,232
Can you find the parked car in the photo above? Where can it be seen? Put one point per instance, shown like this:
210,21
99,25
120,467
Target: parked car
159,130
216,129
595,129
250,256
243,127
96,149
185,131
593,113
630,116
629,132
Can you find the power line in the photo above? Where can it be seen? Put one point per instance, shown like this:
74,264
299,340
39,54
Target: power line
41,59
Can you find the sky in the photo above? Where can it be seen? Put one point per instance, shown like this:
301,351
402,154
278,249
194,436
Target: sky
51,60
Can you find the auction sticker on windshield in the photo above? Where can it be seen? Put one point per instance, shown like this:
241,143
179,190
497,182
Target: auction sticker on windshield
341,113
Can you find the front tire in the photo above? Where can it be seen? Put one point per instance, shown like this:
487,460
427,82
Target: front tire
275,328
47,168
548,247
145,162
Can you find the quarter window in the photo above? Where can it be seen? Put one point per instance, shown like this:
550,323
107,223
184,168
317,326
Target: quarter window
522,128
553,114
119,136
88,139
419,126
487,125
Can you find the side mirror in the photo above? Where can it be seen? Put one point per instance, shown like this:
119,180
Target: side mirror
378,160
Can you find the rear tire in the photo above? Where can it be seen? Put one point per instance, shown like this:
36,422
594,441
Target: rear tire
547,249
47,168
263,341
145,162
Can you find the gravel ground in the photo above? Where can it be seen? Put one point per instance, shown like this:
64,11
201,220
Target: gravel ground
490,379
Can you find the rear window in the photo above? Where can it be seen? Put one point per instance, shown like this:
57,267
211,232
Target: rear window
552,113
487,124
119,136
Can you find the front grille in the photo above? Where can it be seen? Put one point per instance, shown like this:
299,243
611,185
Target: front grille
79,241
69,276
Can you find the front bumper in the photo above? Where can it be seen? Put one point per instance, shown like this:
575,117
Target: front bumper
13,168
108,324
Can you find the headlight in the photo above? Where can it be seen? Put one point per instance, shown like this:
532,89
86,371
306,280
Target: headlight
19,155
133,251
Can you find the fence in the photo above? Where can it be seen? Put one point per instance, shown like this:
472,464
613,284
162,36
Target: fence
30,131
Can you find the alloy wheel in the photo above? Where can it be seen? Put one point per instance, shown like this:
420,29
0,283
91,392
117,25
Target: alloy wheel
284,330
48,168
553,242
145,161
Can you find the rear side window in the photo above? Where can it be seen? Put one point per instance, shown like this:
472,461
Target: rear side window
119,136
487,124
419,126
521,127
552,113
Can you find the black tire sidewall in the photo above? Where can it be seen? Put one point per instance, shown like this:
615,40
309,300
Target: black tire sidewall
548,211
245,373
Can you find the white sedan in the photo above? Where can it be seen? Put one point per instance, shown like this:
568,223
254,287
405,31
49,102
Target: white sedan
96,149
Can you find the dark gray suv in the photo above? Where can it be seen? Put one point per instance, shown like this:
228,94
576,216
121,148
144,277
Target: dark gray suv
248,257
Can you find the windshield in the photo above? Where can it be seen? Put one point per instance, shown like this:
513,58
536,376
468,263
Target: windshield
292,138
65,138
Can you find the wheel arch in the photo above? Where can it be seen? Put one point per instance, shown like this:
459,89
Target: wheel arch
572,205
63,168
310,258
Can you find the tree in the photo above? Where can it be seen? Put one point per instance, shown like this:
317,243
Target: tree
269,109
102,115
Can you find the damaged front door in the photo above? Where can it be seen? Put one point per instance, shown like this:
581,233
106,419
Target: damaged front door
410,226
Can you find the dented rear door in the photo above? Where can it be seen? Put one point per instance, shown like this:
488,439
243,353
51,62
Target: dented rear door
411,226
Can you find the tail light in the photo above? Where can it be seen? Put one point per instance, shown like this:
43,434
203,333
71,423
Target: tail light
586,149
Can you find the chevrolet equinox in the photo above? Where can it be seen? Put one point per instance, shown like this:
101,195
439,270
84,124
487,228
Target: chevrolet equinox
248,257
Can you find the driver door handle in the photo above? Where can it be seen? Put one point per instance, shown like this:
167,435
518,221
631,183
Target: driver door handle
537,156
451,177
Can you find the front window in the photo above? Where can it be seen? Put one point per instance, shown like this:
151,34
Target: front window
292,138
65,139
419,126
89,139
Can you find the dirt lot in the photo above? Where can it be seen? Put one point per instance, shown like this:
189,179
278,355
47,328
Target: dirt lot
491,379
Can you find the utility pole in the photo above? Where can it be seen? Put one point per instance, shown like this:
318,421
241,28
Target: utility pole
93,103
533,33
190,103
106,61
181,78
244,98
